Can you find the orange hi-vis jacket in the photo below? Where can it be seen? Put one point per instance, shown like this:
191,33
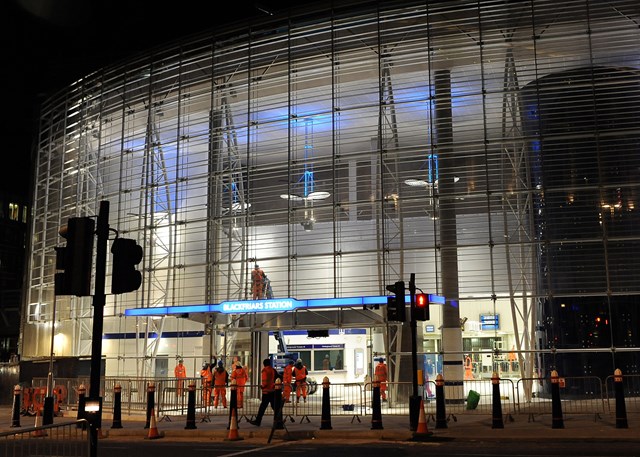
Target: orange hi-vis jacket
287,375
381,372
180,371
220,377
207,375
240,376
268,377
300,374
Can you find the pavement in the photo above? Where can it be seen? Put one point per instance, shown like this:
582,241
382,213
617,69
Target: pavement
467,426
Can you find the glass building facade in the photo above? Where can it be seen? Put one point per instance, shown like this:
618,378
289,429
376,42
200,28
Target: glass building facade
490,148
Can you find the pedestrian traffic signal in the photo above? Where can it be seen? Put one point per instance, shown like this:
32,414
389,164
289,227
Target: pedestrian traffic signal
76,258
421,308
124,276
395,305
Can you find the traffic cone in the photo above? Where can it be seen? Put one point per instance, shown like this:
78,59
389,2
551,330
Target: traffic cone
39,432
422,431
233,427
153,427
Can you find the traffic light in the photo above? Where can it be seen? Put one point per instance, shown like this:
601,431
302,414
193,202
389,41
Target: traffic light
421,308
395,304
124,276
76,258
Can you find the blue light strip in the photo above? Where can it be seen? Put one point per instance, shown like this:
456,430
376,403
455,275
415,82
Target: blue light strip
272,305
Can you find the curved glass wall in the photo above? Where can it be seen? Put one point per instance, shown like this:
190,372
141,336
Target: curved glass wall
344,150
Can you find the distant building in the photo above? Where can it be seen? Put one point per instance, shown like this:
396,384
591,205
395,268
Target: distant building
14,215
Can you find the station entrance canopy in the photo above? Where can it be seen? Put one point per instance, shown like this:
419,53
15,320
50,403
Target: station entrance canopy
279,313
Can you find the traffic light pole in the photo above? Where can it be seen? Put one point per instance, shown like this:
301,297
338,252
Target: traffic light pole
414,401
99,301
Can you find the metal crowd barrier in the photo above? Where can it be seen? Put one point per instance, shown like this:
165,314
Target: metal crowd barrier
631,389
70,439
457,394
530,396
578,395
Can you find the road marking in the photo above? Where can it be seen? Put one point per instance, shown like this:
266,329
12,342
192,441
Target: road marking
258,449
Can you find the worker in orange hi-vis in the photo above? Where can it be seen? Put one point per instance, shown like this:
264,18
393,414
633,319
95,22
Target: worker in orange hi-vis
382,375
300,375
468,368
257,282
239,374
180,372
287,380
220,381
513,359
207,378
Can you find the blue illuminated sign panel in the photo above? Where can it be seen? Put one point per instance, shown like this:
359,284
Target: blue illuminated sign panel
273,305
258,306
489,322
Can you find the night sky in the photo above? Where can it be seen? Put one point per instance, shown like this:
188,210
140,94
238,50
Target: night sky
48,44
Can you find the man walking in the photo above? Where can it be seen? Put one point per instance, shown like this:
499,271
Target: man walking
268,377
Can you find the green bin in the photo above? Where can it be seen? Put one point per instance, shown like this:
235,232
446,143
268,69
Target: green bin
473,399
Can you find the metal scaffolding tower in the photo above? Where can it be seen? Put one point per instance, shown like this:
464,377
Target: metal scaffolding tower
519,228
158,229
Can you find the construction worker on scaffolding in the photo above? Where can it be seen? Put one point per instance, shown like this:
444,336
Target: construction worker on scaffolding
382,375
257,282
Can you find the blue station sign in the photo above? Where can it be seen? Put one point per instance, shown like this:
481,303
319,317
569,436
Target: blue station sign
272,305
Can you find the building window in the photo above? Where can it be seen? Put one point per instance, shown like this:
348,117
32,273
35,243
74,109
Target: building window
14,211
24,214
37,312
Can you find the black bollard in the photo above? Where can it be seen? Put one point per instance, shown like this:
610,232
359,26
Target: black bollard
325,421
441,413
15,412
47,411
497,405
82,390
376,406
621,408
191,406
117,406
556,407
151,389
278,404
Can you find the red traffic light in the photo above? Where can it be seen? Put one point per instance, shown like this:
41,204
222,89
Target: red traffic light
421,310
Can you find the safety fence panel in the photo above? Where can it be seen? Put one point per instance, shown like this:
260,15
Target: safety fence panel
474,397
394,397
578,395
70,439
631,390
65,394
350,399
464,396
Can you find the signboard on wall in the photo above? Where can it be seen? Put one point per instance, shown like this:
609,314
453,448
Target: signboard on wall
489,322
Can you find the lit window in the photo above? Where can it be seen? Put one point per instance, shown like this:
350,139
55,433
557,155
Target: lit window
14,211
